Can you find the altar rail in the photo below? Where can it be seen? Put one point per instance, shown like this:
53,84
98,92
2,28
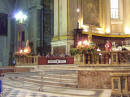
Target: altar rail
41,60
29,60
55,60
103,57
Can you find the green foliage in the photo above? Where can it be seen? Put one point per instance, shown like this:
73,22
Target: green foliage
83,50
74,51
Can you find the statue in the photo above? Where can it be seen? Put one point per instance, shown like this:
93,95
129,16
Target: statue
89,38
27,43
91,43
27,48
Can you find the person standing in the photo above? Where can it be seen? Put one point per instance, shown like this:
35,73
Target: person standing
14,62
108,46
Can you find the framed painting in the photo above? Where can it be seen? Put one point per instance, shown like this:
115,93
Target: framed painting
91,12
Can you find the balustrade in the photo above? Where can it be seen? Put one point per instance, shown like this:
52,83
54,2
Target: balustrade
30,60
103,57
41,60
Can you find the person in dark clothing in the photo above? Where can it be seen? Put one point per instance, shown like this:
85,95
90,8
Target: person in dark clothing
14,62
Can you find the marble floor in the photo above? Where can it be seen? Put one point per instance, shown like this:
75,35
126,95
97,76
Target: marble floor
18,92
13,92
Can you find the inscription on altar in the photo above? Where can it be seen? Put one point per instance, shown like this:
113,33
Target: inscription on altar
57,61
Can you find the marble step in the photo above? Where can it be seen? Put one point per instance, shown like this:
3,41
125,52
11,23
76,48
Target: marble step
18,84
55,76
47,88
66,73
47,81
63,84
57,67
54,79
61,78
67,77
61,81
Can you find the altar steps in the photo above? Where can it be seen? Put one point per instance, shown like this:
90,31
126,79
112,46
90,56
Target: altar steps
71,79
50,81
44,79
57,67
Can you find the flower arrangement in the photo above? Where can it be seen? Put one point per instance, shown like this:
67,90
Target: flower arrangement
84,47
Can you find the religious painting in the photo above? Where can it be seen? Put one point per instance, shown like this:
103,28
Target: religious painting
91,12
59,50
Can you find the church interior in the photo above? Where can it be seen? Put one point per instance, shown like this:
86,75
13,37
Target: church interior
72,45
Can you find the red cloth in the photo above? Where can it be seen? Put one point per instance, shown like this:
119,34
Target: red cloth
44,60
108,46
